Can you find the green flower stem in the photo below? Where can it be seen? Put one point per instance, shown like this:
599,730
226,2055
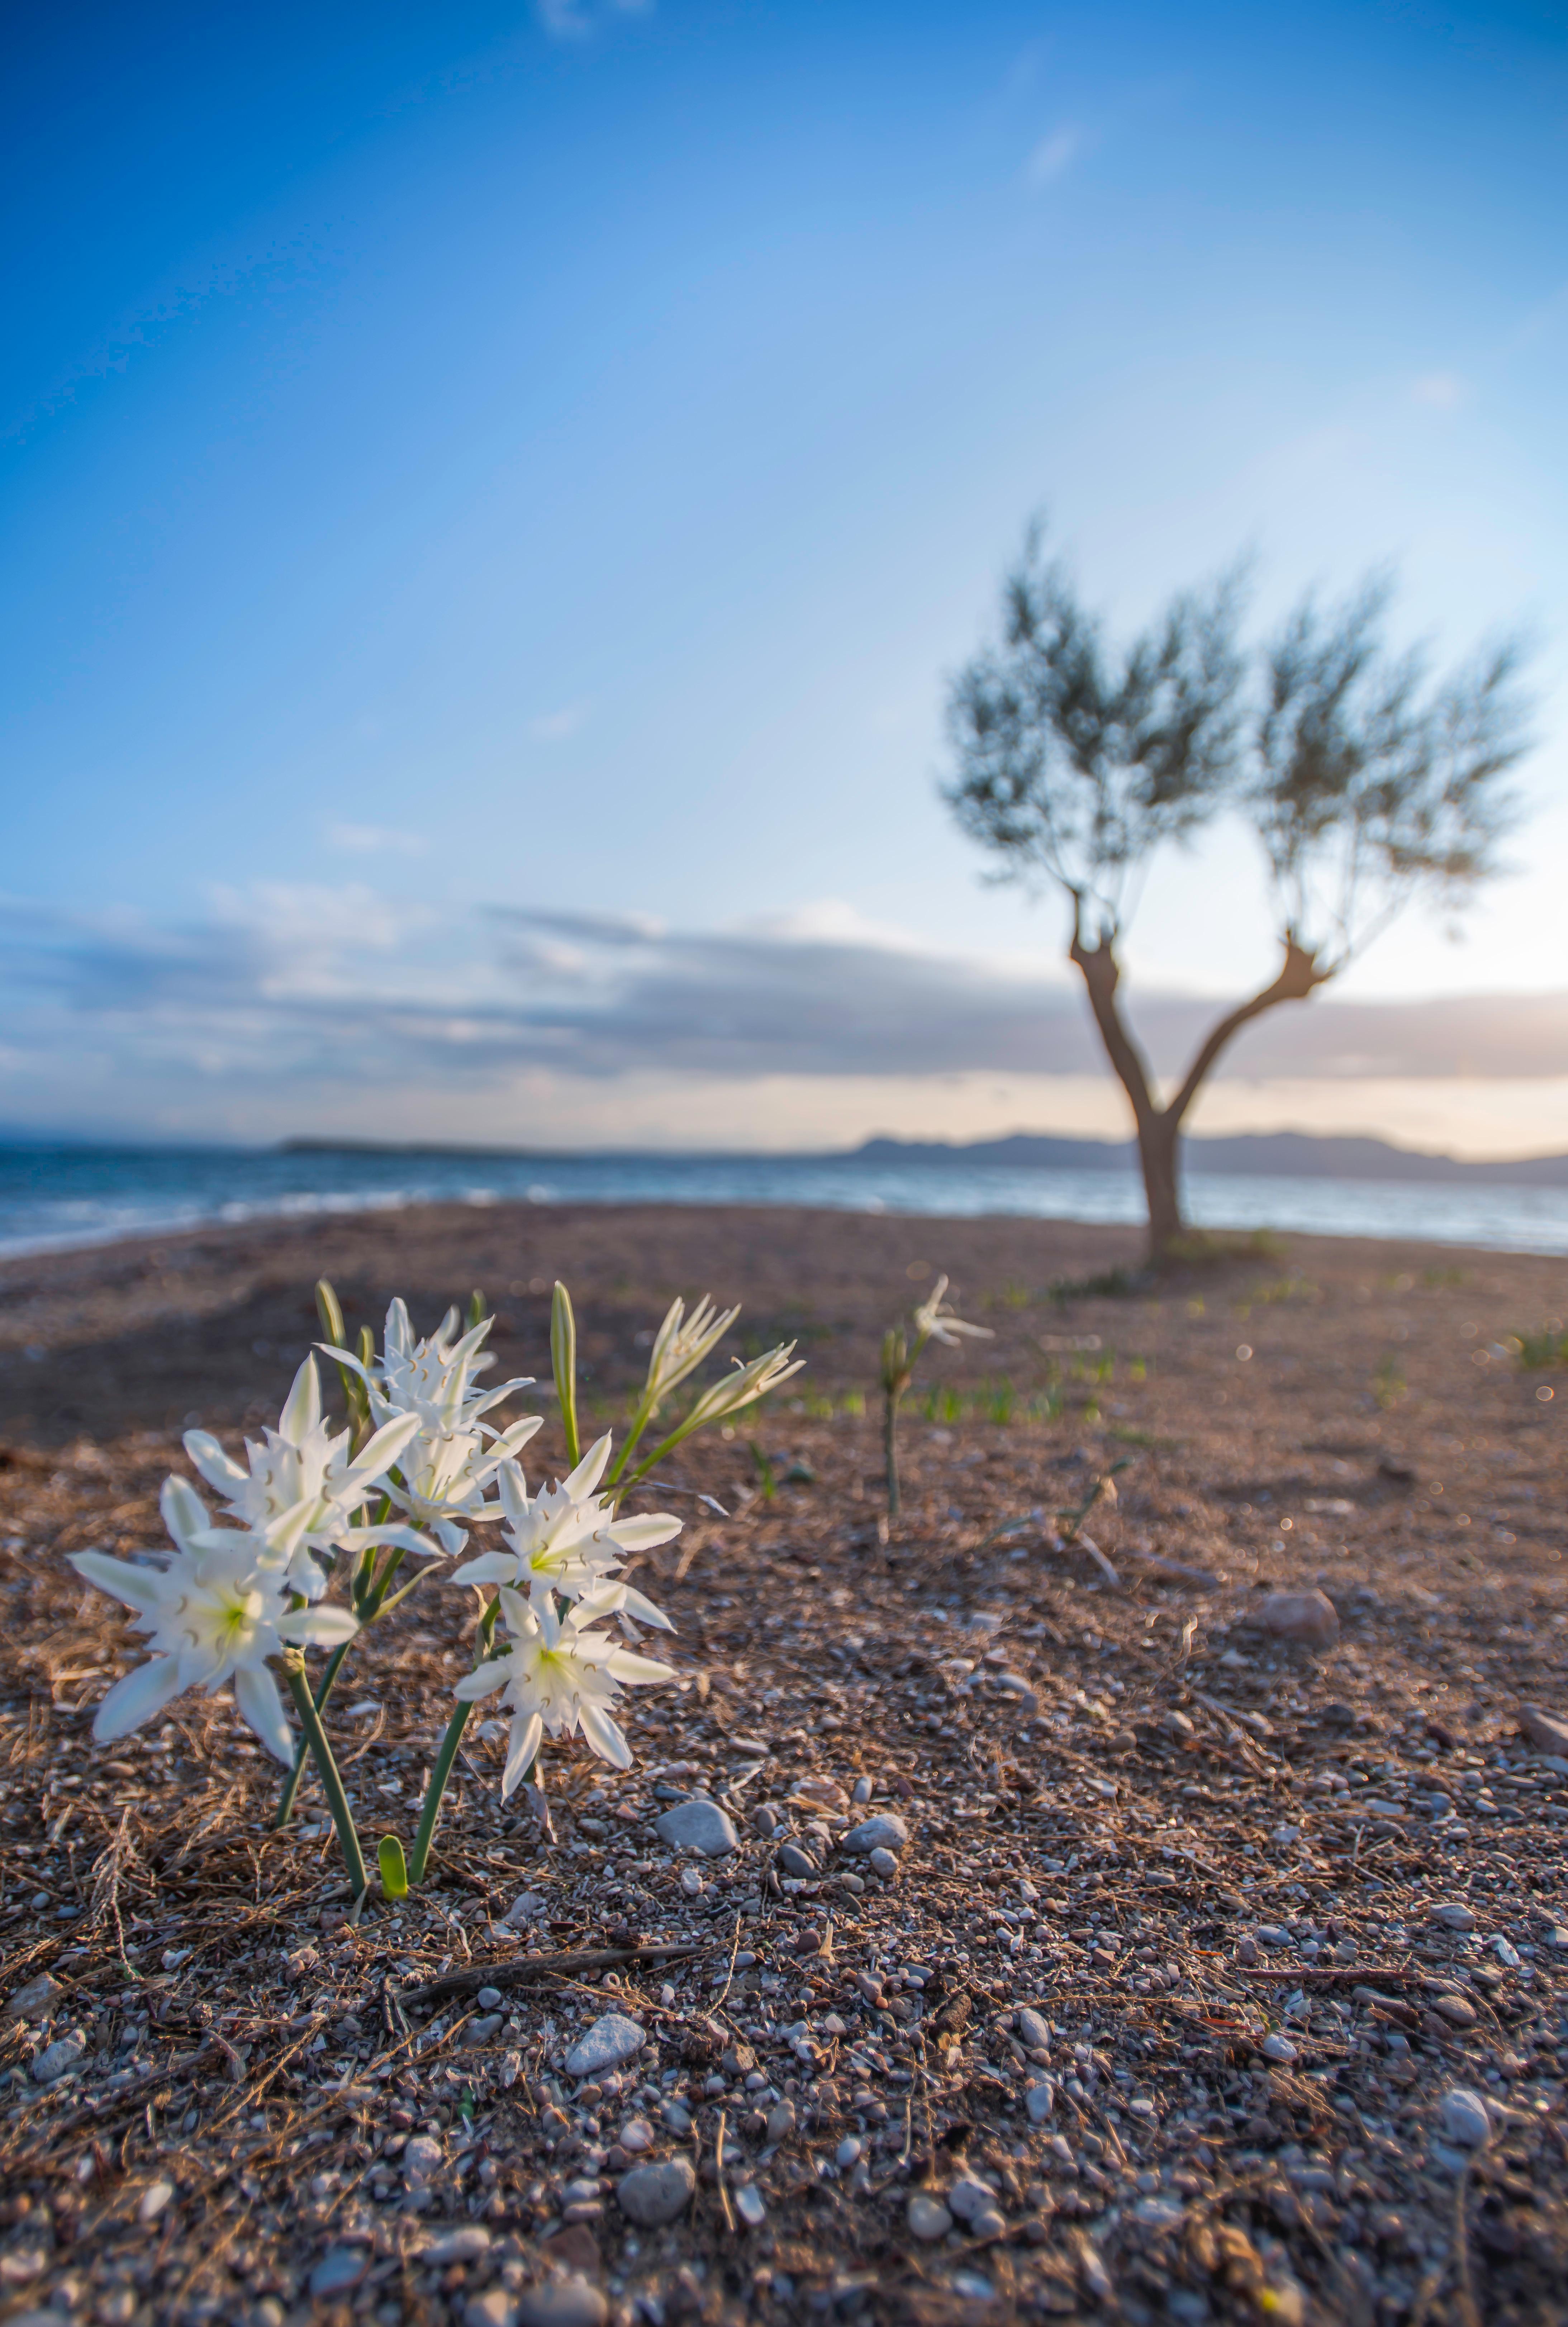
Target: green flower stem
331,1783
366,1607
891,1450
318,1704
447,1756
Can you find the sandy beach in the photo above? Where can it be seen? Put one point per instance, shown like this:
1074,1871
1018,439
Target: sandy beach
1195,1932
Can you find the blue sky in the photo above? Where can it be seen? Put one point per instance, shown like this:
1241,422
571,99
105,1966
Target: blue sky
470,470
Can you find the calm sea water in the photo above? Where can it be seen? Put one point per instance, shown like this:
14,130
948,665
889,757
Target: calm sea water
51,1198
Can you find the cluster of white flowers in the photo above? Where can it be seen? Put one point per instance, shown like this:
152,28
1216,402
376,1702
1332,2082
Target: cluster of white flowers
233,1596
216,1611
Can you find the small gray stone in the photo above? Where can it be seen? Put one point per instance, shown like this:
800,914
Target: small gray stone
967,2197
883,1863
1039,2100
652,2195
698,1825
156,2199
928,2217
481,2030
574,2302
488,1998
527,1908
56,2059
1309,1618
420,2157
1547,1732
613,2038
781,2122
36,2000
1464,2118
493,2308
797,1861
886,1831
862,1789
465,2245
1160,2213
1454,1915
339,2269
1275,2047
750,2206
1032,2030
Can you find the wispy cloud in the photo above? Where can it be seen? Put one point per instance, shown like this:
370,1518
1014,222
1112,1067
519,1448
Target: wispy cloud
556,726
1443,391
375,841
578,19
1054,156
304,996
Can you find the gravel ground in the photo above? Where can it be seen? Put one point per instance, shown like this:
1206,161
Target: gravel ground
1204,1973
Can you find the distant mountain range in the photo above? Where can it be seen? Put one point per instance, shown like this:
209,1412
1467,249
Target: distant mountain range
1280,1154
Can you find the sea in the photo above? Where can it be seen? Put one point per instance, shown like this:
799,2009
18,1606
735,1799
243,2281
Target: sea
53,1198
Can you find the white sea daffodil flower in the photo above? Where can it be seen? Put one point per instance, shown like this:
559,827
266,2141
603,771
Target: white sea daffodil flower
301,1473
453,1455
566,1539
681,1344
936,1322
214,1611
558,1678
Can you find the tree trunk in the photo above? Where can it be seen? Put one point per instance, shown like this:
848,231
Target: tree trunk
1158,1152
1159,1127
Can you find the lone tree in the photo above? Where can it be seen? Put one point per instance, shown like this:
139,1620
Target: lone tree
1366,782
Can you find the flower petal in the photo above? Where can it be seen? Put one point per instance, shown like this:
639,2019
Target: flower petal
490,1567
641,1535
138,1697
141,1588
522,1746
219,1469
322,1627
603,1736
302,1410
589,1471
483,1680
378,1454
184,1512
639,1671
256,1695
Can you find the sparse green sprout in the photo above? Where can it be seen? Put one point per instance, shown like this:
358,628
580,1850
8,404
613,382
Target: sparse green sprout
563,1365
767,1484
394,1868
933,1321
1549,1347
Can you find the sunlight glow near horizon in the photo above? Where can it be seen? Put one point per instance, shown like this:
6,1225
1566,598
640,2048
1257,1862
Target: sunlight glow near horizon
488,459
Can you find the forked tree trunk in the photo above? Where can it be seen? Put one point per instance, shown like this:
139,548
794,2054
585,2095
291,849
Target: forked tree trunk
1159,1128
1159,1155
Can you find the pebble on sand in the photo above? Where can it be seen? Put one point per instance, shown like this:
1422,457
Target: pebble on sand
886,1831
1464,2118
1308,1618
613,2038
652,2195
698,1825
928,2217
571,2301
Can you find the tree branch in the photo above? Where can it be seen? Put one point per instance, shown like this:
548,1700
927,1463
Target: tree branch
1100,975
1299,976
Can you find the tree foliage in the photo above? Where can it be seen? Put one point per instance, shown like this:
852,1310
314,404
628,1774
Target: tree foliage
1363,779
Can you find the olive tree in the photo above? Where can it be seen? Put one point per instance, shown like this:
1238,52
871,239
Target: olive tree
1366,780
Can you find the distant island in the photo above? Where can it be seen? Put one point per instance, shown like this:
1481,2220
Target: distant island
1276,1155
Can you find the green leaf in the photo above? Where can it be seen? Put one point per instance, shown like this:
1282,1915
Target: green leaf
394,1871
564,1361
